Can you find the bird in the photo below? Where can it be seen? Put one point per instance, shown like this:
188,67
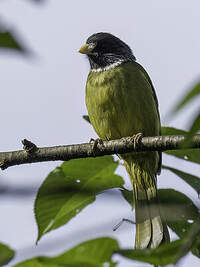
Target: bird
121,101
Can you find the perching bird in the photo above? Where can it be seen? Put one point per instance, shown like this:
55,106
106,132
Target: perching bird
121,101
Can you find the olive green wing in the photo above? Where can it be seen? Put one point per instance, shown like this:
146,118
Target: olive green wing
157,106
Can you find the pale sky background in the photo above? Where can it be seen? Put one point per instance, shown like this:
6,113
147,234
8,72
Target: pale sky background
42,99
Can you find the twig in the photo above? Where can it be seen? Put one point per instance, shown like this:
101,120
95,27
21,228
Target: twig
32,153
29,147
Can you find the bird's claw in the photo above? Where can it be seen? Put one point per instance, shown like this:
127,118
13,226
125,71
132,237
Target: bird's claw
136,139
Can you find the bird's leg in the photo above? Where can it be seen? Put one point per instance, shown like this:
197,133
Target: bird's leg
121,222
95,143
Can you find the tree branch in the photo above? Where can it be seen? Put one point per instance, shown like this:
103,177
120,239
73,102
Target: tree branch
32,153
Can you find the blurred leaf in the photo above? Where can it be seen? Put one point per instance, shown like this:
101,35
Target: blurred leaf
191,241
178,210
172,131
70,188
194,128
162,255
180,214
86,118
93,253
192,155
196,246
195,125
6,254
190,179
194,92
168,253
9,41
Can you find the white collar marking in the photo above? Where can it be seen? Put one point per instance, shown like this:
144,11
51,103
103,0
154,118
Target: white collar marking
109,67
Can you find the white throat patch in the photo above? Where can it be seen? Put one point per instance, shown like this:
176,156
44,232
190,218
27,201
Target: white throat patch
109,67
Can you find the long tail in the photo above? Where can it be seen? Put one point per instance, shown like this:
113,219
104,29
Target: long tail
151,230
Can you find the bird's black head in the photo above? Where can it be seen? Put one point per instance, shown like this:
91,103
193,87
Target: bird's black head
104,49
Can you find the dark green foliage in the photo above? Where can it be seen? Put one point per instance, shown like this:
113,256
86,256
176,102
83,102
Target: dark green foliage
9,41
163,255
93,253
190,179
72,187
195,126
169,253
6,254
192,155
189,96
195,122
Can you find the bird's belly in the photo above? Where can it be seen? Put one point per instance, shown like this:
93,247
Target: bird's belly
113,123
118,106
111,114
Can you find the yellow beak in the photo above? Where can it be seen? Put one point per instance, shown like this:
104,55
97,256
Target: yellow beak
84,49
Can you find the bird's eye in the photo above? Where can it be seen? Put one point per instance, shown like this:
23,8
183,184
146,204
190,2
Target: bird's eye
91,46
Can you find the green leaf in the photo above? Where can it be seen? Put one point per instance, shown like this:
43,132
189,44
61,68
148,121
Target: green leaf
70,188
189,96
194,128
172,131
162,255
192,155
178,210
92,253
195,125
175,131
95,252
191,241
128,196
9,41
168,253
6,254
196,246
190,179
180,214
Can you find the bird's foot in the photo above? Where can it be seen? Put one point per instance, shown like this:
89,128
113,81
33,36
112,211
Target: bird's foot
136,139
121,222
95,143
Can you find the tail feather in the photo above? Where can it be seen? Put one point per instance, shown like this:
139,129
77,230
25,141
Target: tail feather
157,231
151,230
156,220
143,222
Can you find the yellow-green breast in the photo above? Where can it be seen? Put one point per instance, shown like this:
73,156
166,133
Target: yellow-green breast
121,102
